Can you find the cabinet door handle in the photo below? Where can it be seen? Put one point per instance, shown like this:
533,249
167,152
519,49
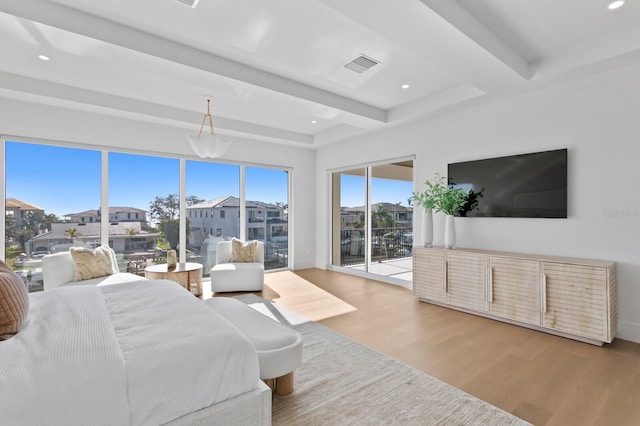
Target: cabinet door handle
445,274
490,283
543,279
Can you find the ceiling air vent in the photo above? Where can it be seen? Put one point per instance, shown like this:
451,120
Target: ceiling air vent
190,3
361,64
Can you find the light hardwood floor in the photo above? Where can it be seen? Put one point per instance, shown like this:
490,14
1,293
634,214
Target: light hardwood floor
544,379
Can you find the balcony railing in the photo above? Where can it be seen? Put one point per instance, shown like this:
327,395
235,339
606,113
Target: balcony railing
386,244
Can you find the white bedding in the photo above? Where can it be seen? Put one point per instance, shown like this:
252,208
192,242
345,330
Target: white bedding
139,354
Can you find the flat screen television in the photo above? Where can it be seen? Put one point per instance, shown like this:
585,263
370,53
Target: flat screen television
526,185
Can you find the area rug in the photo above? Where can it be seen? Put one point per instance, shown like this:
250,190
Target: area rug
342,382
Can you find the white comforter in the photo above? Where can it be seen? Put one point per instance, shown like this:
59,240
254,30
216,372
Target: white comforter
143,353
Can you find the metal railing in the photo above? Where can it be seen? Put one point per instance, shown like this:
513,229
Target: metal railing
386,244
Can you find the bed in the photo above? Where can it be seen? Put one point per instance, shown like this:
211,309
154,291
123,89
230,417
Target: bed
143,353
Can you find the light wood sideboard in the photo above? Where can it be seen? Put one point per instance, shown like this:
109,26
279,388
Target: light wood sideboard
569,297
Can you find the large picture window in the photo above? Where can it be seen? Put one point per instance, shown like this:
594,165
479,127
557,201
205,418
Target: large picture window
267,206
143,209
52,197
53,202
215,188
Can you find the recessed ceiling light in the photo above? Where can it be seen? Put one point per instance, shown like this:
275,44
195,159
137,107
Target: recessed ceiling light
314,122
43,57
405,86
612,5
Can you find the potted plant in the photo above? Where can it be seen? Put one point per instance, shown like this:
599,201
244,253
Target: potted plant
449,202
428,200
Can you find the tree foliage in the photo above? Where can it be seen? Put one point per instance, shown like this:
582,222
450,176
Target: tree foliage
163,208
169,207
73,232
170,228
382,217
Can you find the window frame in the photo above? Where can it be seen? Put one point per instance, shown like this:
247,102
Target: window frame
105,150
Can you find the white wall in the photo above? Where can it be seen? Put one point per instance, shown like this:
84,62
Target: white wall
597,119
30,120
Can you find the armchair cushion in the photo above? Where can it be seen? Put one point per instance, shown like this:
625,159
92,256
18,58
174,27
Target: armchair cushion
95,263
242,252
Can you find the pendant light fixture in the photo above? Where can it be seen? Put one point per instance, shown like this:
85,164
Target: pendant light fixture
208,144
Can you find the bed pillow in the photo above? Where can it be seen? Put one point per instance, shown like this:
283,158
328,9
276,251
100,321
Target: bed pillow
242,252
94,263
14,302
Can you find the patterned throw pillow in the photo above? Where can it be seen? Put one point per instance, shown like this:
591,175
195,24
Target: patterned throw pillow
14,302
94,263
242,252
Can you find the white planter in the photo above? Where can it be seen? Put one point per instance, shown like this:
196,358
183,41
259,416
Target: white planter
449,232
427,227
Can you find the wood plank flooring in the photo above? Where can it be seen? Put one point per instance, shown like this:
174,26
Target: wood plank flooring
544,379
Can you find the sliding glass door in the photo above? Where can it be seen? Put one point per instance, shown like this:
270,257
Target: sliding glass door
372,223
349,218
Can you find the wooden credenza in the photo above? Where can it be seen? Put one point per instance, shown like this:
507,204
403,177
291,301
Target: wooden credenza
574,298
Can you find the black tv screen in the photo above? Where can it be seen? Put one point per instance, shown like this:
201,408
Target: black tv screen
526,185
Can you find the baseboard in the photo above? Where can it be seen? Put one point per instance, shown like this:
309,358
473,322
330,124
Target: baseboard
628,331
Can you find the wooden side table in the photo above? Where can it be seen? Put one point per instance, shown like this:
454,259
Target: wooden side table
188,275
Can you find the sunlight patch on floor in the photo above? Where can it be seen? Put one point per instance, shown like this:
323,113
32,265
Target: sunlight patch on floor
301,296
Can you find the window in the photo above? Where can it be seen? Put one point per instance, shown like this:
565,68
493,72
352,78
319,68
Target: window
42,187
147,216
209,182
134,241
256,234
268,189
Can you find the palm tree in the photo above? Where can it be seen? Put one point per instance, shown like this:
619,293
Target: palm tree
73,233
382,216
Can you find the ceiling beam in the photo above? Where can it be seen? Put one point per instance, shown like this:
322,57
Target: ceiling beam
133,108
466,23
78,22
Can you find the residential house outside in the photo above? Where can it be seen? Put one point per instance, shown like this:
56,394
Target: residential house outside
124,237
116,214
219,219
18,210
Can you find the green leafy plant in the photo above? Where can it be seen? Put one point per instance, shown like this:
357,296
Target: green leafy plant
429,197
451,200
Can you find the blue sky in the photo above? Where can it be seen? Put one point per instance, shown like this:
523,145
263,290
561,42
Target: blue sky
67,180
353,191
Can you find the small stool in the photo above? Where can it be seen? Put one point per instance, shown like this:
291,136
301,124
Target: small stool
279,347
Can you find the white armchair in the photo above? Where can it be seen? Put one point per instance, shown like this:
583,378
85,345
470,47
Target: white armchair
227,276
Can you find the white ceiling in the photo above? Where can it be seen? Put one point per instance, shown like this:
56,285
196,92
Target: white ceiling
271,68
